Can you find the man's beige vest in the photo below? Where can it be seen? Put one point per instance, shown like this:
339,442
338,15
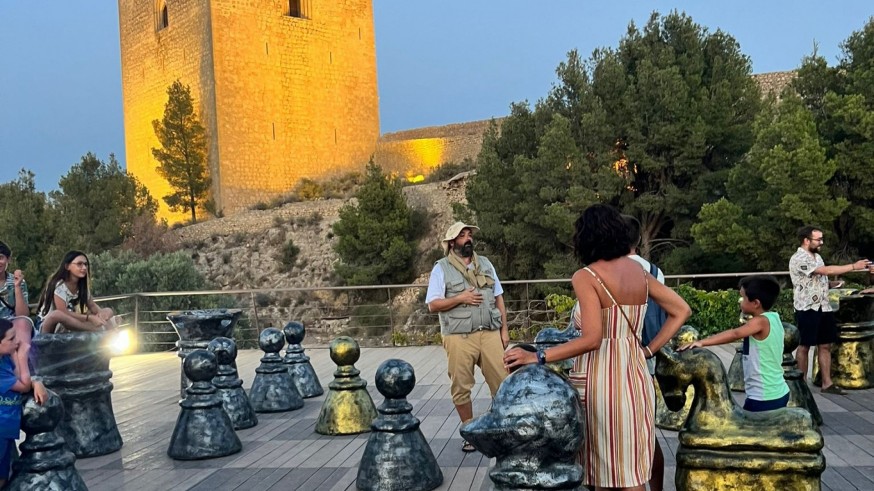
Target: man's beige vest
467,318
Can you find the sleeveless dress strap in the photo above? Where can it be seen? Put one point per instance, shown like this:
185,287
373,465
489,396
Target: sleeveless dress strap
602,285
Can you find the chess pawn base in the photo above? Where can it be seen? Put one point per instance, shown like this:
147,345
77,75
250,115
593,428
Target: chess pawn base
198,436
236,404
274,392
346,412
305,379
385,470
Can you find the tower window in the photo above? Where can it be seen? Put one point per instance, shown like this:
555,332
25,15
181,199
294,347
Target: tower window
299,9
162,19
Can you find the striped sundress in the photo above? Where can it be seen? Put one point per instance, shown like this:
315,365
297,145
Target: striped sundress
617,395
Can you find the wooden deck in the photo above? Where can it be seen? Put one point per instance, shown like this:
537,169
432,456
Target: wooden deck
283,452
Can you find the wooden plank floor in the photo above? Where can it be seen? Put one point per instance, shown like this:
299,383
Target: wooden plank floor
283,452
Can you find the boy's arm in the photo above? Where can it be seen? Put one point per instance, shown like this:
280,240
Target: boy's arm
752,327
23,383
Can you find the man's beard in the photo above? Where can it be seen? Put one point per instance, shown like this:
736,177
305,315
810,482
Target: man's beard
465,250
816,249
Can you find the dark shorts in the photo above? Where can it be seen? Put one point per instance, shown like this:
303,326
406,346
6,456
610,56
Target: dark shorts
756,406
816,327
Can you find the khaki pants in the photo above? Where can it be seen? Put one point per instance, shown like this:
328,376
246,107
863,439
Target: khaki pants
464,351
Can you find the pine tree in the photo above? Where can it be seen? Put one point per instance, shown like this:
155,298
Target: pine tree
183,151
376,233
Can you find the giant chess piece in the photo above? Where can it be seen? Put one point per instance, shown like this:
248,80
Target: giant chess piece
273,389
348,408
76,367
45,462
397,456
196,328
534,430
668,419
721,446
229,386
799,392
203,429
302,372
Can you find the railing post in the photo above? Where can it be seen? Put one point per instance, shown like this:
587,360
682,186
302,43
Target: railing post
255,314
527,307
137,320
391,324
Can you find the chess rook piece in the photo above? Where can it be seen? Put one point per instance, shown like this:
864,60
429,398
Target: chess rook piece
196,328
273,389
348,408
45,462
534,430
302,372
799,392
397,456
229,386
203,429
76,367
666,418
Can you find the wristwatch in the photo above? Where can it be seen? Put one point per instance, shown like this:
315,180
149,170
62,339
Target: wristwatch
541,357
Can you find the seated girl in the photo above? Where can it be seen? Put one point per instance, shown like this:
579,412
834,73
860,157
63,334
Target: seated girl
66,304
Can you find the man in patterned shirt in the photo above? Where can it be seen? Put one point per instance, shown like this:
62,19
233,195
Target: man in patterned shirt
813,313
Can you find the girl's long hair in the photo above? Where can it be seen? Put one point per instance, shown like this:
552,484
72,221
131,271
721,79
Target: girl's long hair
48,293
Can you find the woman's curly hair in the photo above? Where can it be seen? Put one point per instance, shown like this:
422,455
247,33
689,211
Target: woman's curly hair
600,233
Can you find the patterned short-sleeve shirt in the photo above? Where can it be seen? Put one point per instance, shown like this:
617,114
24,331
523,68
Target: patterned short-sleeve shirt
809,289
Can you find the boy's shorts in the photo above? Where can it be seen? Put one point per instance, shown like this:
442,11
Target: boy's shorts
7,446
816,327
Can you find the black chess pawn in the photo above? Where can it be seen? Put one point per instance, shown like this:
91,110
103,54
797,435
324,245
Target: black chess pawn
348,408
736,371
203,429
302,372
273,389
229,386
799,392
397,456
45,462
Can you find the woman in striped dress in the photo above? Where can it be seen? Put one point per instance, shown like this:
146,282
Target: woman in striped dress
610,371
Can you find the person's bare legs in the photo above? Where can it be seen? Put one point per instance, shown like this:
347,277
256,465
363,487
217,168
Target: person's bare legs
55,317
657,480
801,359
823,351
465,411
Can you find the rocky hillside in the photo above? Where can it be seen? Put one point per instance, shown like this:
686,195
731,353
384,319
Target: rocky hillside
244,251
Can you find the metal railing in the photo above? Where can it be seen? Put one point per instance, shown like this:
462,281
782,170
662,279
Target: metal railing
376,315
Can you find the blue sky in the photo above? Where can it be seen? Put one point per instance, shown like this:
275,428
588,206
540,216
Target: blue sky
438,62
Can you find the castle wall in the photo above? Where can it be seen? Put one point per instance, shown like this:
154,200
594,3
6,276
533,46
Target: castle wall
151,59
295,97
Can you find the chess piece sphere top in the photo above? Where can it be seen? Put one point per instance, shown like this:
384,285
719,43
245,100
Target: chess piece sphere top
271,340
36,418
294,332
395,379
224,349
345,350
686,335
791,337
200,365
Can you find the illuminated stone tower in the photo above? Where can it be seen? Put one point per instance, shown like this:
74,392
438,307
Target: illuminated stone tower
285,89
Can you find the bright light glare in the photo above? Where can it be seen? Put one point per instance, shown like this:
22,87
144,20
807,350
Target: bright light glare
121,342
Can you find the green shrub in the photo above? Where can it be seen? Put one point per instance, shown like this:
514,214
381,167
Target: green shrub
287,256
449,170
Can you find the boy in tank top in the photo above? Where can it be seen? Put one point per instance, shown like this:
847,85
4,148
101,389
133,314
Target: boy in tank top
762,345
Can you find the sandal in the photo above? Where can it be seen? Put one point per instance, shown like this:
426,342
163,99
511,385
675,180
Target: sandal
834,389
466,446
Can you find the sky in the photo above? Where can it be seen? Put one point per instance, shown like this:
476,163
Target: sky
437,62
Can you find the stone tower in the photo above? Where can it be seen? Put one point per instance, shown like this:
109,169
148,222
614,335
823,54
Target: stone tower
285,89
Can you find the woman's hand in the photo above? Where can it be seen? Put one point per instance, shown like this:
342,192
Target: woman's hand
39,393
518,357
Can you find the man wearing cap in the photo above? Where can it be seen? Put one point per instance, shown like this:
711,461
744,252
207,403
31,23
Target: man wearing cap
465,292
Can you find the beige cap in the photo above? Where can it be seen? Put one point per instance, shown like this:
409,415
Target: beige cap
452,232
